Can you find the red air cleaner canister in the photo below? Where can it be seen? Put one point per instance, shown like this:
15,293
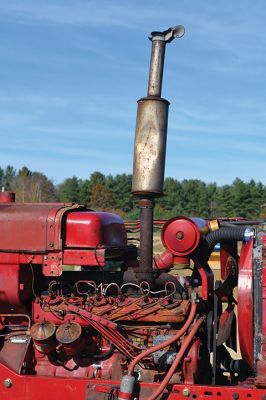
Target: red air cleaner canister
180,235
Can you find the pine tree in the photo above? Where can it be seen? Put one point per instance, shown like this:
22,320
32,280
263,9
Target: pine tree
9,176
120,187
69,190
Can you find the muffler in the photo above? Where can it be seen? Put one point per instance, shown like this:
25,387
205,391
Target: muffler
150,147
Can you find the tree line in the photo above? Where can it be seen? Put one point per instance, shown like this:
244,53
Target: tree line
191,197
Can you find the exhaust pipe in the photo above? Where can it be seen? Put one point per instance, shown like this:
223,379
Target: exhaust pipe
150,147
151,126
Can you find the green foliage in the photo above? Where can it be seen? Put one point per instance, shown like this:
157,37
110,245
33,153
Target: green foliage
191,197
2,173
84,193
120,187
170,203
101,197
69,190
33,187
8,177
24,171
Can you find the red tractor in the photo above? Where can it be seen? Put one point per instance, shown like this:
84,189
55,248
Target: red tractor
139,330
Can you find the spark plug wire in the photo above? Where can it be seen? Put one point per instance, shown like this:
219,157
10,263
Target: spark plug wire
168,342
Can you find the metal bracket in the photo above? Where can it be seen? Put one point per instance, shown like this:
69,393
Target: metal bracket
52,264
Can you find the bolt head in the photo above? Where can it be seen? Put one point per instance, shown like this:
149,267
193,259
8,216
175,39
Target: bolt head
8,383
180,235
186,392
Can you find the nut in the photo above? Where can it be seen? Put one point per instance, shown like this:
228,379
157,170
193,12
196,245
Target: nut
186,392
8,383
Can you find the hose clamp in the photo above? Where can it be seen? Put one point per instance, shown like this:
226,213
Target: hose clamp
248,234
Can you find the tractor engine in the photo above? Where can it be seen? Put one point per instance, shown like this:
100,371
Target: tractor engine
85,314
104,323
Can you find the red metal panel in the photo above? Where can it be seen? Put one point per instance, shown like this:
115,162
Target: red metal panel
261,364
92,229
7,197
15,286
32,387
9,286
93,258
14,258
31,227
264,299
245,303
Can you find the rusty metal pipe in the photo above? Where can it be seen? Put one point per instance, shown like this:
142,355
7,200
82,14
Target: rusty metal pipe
159,40
150,147
156,68
146,240
151,126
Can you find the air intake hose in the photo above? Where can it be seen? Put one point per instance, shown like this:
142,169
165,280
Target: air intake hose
222,234
239,233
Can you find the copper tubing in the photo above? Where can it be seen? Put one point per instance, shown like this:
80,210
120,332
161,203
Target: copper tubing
177,360
168,342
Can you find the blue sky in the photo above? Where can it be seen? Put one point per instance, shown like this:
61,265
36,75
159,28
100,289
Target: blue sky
71,72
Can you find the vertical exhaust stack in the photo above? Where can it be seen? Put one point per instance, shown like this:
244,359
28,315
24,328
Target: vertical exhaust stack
150,147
